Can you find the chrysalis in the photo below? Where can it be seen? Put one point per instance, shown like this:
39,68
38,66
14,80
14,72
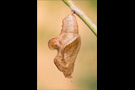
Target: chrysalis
67,43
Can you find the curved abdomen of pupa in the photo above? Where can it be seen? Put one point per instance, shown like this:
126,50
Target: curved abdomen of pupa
67,43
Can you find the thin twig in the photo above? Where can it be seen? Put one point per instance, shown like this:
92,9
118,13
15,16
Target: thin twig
81,14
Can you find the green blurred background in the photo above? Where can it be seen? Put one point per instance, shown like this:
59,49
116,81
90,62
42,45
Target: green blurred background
50,14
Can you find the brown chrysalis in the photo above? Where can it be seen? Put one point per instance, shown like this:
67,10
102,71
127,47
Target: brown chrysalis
67,43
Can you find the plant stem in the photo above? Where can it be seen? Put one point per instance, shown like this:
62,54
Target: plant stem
81,14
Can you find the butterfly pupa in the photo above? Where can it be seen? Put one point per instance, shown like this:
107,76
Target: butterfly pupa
67,43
